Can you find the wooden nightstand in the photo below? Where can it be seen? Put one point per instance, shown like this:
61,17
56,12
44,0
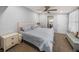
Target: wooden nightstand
10,40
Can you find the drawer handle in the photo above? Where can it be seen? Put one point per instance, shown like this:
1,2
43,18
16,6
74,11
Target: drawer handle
12,38
12,43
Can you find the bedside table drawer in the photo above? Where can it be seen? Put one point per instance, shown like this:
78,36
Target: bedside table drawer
13,37
7,43
11,41
7,46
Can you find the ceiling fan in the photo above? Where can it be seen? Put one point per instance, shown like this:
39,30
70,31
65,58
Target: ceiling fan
47,9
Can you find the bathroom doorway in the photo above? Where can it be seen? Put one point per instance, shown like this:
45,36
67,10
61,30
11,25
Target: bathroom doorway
50,21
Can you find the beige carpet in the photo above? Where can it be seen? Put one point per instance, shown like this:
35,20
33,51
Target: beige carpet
23,47
61,45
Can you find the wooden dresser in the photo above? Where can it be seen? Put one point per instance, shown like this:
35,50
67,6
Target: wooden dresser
10,40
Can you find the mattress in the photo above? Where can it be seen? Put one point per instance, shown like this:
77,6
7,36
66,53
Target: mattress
40,37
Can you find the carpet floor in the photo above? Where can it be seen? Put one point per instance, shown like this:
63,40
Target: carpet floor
23,47
61,45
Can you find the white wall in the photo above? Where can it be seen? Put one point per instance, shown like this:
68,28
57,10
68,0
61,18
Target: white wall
43,20
2,9
36,18
60,23
10,17
74,21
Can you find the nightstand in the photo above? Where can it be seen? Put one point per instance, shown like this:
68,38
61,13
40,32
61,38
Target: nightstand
10,40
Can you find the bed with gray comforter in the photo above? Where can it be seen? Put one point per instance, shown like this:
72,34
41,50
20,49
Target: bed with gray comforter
42,38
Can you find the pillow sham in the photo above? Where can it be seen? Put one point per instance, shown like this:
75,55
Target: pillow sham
21,29
34,26
26,28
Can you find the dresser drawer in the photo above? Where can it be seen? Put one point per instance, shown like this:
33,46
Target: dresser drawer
15,39
12,38
7,43
11,41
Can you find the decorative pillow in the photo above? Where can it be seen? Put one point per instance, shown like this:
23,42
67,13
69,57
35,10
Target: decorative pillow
34,26
78,34
74,33
27,28
21,29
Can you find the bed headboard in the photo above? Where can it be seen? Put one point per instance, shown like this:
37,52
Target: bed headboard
23,24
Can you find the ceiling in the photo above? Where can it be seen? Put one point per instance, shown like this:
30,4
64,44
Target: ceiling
60,9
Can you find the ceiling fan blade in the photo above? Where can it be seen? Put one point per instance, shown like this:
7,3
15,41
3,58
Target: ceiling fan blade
46,8
48,12
52,10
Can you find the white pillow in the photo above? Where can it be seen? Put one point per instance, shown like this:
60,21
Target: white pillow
35,26
27,28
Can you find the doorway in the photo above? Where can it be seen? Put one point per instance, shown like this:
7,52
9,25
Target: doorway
50,21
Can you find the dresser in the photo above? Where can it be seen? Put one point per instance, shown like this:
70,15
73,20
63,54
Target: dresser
10,40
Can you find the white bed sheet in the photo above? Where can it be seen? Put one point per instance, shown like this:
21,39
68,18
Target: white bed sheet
40,37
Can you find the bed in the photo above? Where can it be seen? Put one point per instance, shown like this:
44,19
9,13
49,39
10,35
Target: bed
43,38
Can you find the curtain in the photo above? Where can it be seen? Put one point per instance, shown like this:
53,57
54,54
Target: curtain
74,21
